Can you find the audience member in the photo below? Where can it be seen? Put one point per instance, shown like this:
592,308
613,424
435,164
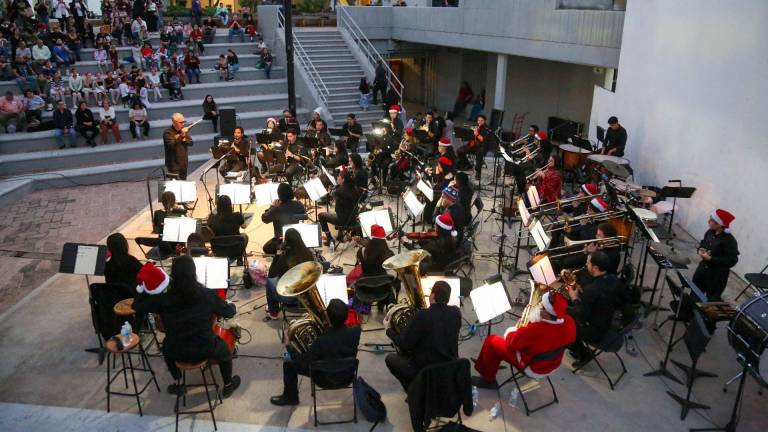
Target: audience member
63,125
139,119
108,122
12,109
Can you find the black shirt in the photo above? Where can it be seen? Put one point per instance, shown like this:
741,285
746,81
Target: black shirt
432,336
616,139
594,310
712,275
83,116
226,224
346,200
122,270
284,214
336,343
356,129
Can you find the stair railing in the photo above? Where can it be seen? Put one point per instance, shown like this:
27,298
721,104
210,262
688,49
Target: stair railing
306,62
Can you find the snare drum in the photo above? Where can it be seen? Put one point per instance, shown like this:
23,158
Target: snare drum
573,157
598,158
624,187
645,215
748,333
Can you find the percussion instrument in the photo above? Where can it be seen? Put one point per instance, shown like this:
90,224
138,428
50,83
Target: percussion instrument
748,333
615,169
598,158
645,215
669,253
573,157
421,235
717,311
624,187
646,193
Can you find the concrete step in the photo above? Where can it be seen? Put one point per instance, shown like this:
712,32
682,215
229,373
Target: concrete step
339,56
20,145
206,62
348,60
337,95
322,49
342,103
324,43
210,49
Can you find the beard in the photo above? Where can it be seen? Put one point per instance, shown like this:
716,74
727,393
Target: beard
535,314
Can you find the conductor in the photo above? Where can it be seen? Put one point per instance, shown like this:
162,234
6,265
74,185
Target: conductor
176,139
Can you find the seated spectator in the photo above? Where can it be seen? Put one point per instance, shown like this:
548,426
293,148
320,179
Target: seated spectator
6,70
25,78
76,86
211,112
192,66
111,86
88,34
85,124
98,89
250,28
147,55
23,52
108,122
265,61
144,95
117,33
139,119
196,37
209,30
63,125
125,92
61,54
40,52
12,109
223,13
74,43
58,88
33,105
234,64
153,81
88,87
170,81
101,57
114,57
236,29
222,66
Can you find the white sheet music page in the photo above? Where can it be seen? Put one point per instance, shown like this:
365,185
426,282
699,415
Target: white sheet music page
378,217
428,282
332,287
539,235
85,261
522,210
266,193
505,155
310,233
331,178
414,205
212,272
315,189
533,196
184,191
238,193
177,229
489,301
542,272
426,189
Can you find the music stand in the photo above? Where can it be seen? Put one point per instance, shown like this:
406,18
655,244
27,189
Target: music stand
87,260
463,133
332,286
600,133
421,135
675,193
427,282
212,272
490,300
731,426
309,232
696,338
338,132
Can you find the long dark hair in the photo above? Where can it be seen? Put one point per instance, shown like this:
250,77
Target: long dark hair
223,205
377,250
296,252
184,282
117,245
357,160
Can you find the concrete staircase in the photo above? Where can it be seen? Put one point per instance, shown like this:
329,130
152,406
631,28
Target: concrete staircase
339,70
30,161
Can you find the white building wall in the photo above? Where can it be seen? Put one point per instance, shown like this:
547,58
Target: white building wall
692,94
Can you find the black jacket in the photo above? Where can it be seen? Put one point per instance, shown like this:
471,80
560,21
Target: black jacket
336,343
616,139
712,276
346,196
284,214
440,391
176,153
122,270
63,119
594,310
188,329
432,336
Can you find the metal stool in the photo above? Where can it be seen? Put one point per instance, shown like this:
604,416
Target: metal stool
182,392
112,352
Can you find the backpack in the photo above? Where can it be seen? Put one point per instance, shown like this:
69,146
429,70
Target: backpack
369,402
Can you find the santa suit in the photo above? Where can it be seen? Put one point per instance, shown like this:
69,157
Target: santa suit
519,346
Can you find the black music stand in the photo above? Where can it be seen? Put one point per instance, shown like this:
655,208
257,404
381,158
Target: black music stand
675,193
696,339
86,260
339,132
731,426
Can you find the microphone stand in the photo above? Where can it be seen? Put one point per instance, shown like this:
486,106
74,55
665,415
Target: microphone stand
149,192
205,185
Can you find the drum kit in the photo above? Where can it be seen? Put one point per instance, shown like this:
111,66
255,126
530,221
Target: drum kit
748,334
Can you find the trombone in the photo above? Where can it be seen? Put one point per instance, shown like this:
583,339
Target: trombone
572,246
590,218
559,203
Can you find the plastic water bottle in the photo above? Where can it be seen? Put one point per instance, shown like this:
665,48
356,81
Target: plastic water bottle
125,333
494,411
475,396
514,397
151,318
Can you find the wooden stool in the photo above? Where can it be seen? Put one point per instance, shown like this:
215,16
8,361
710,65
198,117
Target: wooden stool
182,391
124,309
112,352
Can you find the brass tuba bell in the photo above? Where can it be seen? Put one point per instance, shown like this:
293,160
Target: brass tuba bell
406,265
301,282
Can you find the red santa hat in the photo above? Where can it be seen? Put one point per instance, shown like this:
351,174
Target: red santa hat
394,108
151,279
445,161
445,142
555,304
722,217
409,131
377,232
541,135
445,221
599,204
589,188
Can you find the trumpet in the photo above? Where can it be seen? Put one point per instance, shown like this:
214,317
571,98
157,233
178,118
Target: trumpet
573,247
535,174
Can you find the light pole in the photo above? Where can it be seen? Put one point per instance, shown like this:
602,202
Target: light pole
287,12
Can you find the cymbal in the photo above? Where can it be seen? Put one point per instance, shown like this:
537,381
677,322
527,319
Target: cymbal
669,253
646,193
615,169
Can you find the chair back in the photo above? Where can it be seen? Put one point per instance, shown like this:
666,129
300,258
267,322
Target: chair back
231,246
334,374
103,298
546,356
444,388
371,289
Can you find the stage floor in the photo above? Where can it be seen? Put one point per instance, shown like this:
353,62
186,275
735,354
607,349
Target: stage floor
47,381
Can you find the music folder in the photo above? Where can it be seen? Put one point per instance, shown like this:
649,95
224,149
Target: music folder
464,133
315,189
83,259
427,282
490,301
522,210
332,286
238,193
339,132
379,217
426,189
415,207
541,270
539,235
212,272
177,229
184,191
533,196
310,233
266,193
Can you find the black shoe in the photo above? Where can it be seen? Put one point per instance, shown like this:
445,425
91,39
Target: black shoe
479,382
61,147
231,387
283,401
176,389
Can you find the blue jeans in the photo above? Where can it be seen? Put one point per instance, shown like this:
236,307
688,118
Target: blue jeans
29,82
76,48
233,32
59,134
274,299
233,68
193,73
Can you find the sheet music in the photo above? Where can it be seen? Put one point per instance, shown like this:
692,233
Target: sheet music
378,217
184,191
505,155
428,282
489,301
239,193
315,189
413,204
522,210
542,272
539,235
533,197
426,189
332,287
212,272
310,233
331,178
177,229
266,193
85,261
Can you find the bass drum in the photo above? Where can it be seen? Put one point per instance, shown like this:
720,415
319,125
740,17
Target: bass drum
748,333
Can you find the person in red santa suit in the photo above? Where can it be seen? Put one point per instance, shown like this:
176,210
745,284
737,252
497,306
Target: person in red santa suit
549,328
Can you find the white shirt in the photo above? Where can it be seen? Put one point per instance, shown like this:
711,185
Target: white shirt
144,96
108,113
124,91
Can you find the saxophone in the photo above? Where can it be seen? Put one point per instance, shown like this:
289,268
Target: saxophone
300,282
406,265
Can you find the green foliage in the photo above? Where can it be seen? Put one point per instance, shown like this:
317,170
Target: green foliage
311,6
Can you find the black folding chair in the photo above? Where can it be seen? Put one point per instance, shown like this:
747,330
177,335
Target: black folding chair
233,248
325,375
526,372
153,250
375,289
611,343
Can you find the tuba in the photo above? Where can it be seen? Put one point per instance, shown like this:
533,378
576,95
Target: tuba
406,265
538,290
300,282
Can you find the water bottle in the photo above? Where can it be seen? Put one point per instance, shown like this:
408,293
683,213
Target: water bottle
332,246
125,333
151,318
494,411
514,397
475,396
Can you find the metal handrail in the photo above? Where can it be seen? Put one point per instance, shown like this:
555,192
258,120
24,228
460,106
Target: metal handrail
346,21
306,63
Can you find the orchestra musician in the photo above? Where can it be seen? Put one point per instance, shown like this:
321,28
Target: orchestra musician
239,153
394,132
445,148
291,252
549,328
479,145
288,122
719,251
227,222
312,123
440,176
337,157
186,310
373,252
168,201
359,173
337,343
284,211
346,195
176,139
431,337
402,161
272,130
432,128
615,138
578,208
593,308
321,132
449,202
121,267
587,230
466,193
293,155
353,131
578,260
523,169
443,247
549,182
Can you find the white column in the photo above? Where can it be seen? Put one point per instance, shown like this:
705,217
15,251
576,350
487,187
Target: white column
499,94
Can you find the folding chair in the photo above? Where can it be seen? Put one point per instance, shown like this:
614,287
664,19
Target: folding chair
325,375
758,280
155,251
527,372
611,343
